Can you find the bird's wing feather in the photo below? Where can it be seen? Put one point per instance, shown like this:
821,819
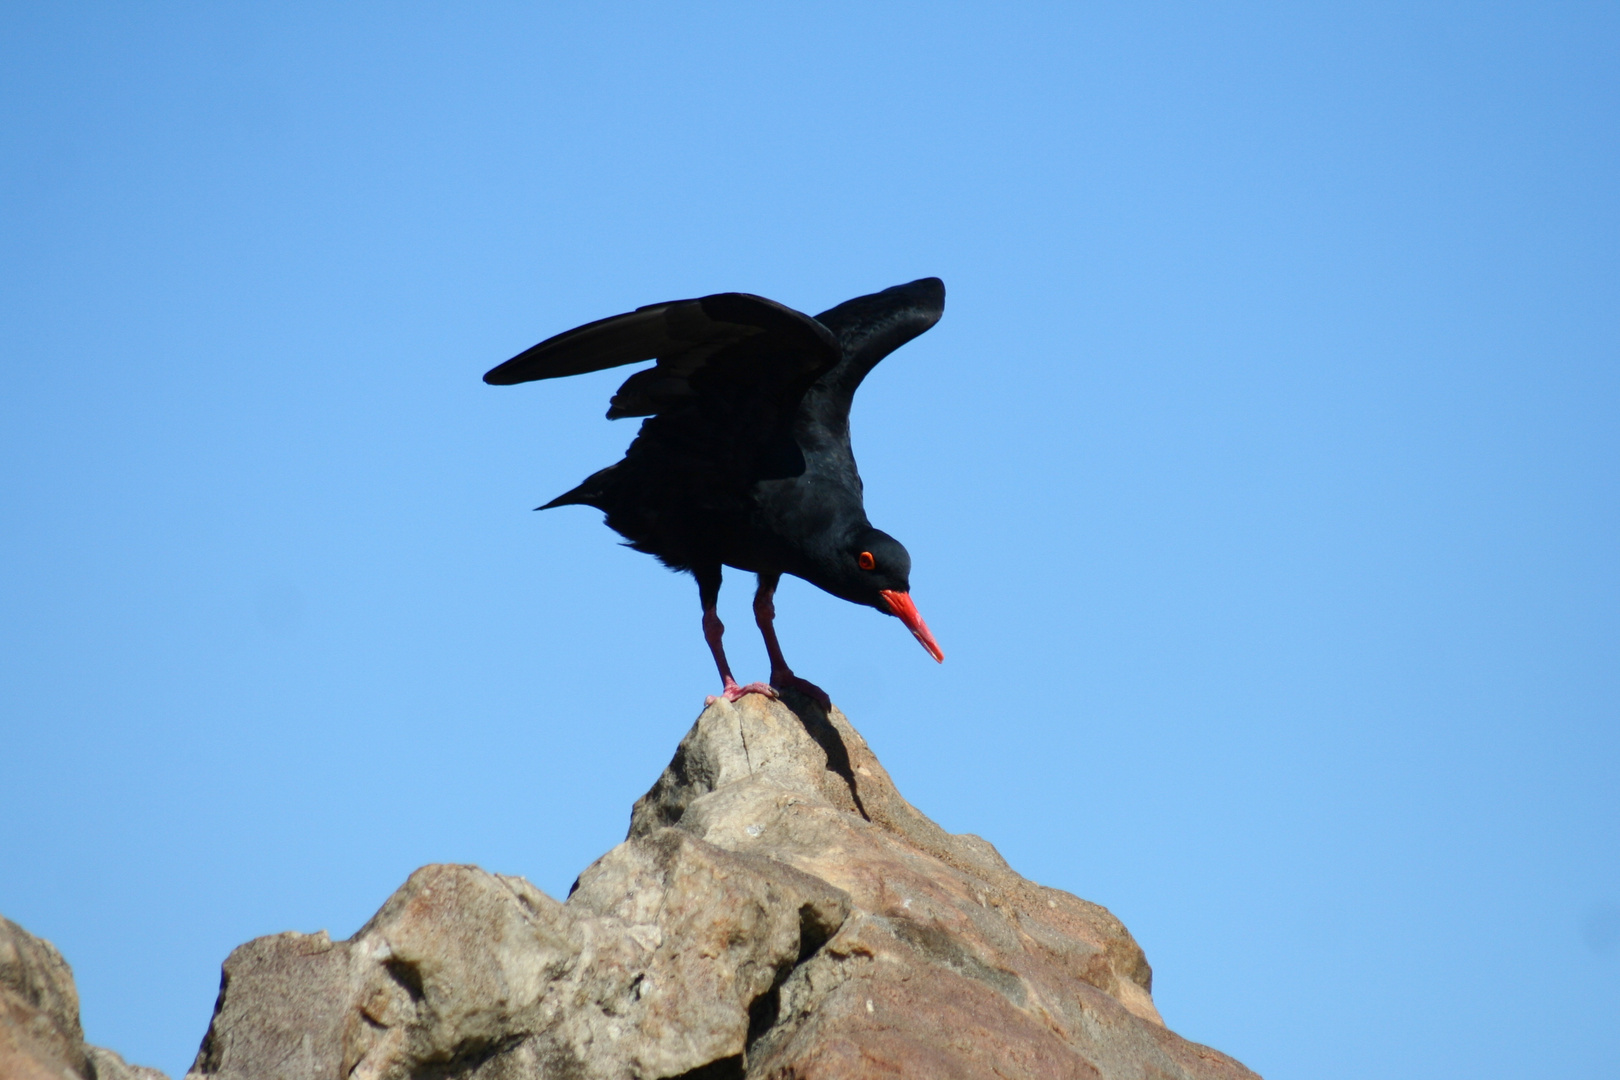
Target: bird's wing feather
727,337
871,327
605,343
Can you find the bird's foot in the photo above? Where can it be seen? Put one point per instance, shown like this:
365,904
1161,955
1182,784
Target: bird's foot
733,692
786,680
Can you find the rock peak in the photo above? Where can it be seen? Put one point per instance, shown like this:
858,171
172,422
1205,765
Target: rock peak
778,910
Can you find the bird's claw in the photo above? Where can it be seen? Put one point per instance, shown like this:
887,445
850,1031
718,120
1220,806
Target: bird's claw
780,680
733,693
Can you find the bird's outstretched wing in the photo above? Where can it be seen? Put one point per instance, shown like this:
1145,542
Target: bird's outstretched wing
871,327
727,340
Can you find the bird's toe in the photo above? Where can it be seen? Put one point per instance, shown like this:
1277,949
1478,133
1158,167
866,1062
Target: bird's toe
734,693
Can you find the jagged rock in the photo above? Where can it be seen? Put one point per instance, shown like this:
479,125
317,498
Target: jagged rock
778,911
40,1036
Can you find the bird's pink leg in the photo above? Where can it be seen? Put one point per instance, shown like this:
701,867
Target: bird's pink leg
782,676
713,630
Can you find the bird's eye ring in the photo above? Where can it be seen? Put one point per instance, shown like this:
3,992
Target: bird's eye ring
865,561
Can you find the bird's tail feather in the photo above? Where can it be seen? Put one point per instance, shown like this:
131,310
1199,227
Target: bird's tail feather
569,498
589,493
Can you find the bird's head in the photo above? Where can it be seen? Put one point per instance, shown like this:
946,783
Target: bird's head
873,568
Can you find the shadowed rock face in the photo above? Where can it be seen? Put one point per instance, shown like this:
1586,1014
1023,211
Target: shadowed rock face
778,910
40,1036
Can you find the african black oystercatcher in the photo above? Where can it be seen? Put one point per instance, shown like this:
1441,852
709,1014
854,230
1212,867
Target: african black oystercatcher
744,459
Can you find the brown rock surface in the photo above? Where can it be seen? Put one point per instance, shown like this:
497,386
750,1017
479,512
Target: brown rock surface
779,910
40,1036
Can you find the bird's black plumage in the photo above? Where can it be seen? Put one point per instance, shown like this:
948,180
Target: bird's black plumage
744,459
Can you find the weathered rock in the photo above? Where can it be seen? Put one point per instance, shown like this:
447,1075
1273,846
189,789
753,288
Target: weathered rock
778,910
40,1036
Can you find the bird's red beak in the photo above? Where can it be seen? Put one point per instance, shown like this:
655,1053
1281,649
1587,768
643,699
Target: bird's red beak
901,607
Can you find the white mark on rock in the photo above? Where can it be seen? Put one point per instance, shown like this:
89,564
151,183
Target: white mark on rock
869,1005
1051,903
754,830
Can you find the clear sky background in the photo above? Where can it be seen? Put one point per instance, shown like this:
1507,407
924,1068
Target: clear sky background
1260,479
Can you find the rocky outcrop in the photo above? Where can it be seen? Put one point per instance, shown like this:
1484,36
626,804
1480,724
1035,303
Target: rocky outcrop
778,910
40,1036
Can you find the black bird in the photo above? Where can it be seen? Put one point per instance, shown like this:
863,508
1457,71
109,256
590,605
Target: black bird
744,460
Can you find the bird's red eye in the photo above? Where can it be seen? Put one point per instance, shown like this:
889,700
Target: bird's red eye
866,561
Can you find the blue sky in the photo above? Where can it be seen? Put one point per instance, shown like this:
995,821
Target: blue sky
1260,480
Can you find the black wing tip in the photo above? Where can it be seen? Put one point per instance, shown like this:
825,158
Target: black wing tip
510,372
930,291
